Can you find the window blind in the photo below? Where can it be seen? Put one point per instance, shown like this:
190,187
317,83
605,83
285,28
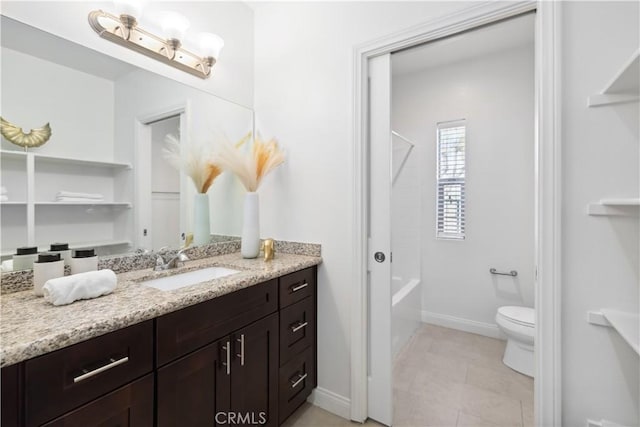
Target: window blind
450,211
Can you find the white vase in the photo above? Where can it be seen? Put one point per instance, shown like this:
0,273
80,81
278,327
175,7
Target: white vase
250,246
201,228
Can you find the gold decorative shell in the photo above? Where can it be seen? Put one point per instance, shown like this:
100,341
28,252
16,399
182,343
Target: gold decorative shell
15,135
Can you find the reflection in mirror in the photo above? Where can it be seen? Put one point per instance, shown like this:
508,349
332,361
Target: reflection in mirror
101,180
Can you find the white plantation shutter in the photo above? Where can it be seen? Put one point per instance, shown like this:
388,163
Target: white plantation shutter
450,211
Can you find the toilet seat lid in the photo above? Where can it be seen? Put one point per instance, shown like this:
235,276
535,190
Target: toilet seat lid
521,315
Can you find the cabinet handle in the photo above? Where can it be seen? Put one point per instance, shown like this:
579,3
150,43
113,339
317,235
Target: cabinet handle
113,363
227,348
295,383
241,355
296,328
297,288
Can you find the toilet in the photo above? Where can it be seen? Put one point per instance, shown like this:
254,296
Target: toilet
518,324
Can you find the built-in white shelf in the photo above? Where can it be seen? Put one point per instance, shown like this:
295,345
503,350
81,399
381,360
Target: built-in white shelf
87,203
625,323
617,206
13,203
624,87
46,158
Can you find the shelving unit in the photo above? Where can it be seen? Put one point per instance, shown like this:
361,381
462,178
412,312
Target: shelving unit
617,206
34,217
623,88
626,324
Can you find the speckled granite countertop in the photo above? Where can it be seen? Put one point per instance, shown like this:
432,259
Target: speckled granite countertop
30,327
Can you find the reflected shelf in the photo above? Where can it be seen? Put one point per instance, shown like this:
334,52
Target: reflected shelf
88,203
46,158
614,206
623,88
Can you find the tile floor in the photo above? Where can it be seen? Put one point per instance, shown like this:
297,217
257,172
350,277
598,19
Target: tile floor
446,378
449,378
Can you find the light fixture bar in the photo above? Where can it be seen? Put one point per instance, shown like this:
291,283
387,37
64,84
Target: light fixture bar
112,28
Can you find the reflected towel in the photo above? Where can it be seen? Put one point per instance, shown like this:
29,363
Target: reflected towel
92,284
61,194
6,265
3,190
78,199
4,198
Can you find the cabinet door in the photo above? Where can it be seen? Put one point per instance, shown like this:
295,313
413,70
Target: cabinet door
194,390
254,373
128,406
11,402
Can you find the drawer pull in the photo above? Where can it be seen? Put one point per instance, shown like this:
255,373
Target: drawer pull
227,349
299,287
106,367
241,355
295,383
296,328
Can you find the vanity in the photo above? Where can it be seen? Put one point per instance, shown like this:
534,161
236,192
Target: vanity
239,350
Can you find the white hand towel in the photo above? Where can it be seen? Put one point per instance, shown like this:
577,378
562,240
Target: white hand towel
3,190
79,195
92,284
4,198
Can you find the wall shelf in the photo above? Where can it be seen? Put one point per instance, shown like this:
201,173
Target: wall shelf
617,206
87,203
623,88
13,203
46,158
625,323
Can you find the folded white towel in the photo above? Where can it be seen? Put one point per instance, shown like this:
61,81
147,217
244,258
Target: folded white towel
92,284
4,198
6,265
78,199
79,195
3,190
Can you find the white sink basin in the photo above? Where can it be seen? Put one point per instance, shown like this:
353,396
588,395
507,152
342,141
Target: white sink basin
189,278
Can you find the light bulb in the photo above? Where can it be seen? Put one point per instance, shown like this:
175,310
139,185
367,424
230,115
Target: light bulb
210,45
128,7
174,26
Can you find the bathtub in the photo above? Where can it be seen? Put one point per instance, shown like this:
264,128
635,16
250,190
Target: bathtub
406,307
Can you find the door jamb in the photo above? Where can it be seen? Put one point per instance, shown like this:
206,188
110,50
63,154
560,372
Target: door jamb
547,193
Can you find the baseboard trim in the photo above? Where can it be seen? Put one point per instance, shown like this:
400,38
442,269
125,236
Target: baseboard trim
332,402
481,328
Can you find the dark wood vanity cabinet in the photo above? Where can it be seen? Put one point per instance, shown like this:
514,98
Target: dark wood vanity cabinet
245,358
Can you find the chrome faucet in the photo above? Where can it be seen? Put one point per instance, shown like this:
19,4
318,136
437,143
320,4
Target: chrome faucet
174,262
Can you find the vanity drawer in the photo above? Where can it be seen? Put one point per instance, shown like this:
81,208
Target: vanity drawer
297,286
65,379
297,379
297,328
186,330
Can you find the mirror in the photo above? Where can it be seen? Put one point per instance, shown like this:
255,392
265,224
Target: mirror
101,180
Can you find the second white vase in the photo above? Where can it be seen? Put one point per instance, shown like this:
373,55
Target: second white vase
250,245
201,228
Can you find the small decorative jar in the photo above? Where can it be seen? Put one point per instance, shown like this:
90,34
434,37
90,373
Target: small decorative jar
84,260
63,250
48,266
24,258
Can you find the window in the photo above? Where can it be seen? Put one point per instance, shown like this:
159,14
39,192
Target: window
450,178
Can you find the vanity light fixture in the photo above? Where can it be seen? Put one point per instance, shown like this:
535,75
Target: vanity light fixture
125,31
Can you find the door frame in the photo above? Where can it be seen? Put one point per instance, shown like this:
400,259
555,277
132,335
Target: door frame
142,172
547,393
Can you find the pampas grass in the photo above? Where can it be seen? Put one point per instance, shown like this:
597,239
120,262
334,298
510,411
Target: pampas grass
195,160
250,167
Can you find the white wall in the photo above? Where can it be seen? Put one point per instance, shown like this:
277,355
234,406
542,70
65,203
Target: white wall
232,76
36,92
303,87
600,255
495,94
